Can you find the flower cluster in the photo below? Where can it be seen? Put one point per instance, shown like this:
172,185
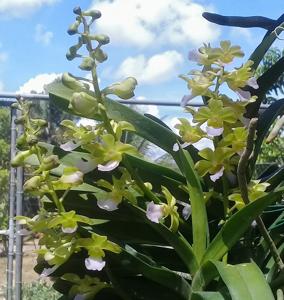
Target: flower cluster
221,120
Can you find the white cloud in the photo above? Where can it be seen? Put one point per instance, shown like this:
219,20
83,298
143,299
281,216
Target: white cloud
42,36
22,8
156,69
243,33
144,22
37,83
146,109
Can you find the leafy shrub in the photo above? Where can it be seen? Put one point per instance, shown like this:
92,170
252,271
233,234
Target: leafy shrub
39,290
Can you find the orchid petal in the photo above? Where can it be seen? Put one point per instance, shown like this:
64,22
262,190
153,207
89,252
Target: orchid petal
185,99
69,146
214,131
48,271
154,212
186,212
108,205
111,165
75,177
69,229
94,264
204,143
243,95
217,175
253,83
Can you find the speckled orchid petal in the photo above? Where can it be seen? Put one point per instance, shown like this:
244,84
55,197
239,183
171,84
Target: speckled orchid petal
111,165
69,146
217,175
69,229
214,131
253,83
108,205
155,212
94,264
48,271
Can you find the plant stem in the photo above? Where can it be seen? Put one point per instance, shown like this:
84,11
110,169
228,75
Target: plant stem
242,180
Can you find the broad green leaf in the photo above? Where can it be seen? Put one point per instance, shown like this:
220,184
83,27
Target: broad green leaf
199,215
244,281
236,226
207,296
266,119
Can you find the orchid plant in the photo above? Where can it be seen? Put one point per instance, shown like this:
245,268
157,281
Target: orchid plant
115,225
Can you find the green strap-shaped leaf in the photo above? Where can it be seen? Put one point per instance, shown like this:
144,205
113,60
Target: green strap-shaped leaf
207,296
198,208
244,281
60,95
235,227
266,119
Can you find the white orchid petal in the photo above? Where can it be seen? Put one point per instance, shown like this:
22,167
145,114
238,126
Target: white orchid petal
154,212
175,147
217,175
253,83
108,205
69,229
75,177
243,95
186,212
69,146
214,131
85,166
185,99
203,144
111,165
94,264
48,271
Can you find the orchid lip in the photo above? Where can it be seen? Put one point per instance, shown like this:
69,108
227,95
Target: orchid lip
69,146
214,131
108,204
217,175
94,264
154,212
111,165
69,229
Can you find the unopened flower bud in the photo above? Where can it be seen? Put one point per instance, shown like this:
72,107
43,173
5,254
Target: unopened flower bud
21,141
32,139
32,184
50,162
71,82
15,105
73,28
19,159
84,104
123,90
100,38
77,10
40,122
99,55
95,14
20,120
87,64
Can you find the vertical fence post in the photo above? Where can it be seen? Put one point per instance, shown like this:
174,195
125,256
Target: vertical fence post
12,190
19,238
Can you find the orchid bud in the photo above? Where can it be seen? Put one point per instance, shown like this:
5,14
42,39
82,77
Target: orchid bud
40,122
31,139
32,184
100,38
73,28
77,10
71,82
87,64
21,141
84,104
15,105
50,162
20,120
19,159
95,14
99,55
123,90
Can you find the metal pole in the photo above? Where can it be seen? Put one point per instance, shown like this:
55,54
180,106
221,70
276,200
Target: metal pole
12,190
19,237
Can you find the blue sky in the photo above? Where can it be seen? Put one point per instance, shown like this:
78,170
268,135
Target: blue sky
149,39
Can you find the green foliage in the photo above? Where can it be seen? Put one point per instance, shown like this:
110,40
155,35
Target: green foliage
39,290
115,225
